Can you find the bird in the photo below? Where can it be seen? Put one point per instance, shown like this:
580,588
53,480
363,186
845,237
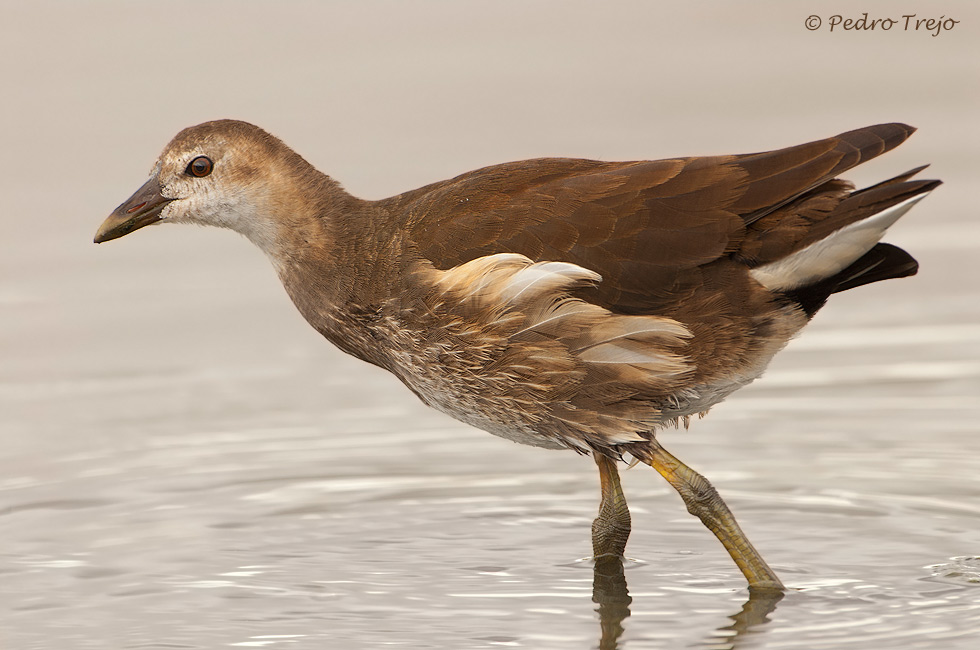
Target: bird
556,302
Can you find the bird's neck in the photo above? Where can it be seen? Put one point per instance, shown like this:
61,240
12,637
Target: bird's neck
335,255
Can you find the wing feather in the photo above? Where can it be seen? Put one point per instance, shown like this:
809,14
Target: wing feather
653,230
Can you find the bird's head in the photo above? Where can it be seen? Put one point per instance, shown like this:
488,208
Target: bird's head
224,173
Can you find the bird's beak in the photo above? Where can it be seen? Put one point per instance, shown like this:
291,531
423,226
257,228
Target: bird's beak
141,209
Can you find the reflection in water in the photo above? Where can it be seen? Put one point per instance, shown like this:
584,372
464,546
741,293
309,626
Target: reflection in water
755,612
609,591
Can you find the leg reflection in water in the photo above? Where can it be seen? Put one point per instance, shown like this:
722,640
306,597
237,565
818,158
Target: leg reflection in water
755,612
610,593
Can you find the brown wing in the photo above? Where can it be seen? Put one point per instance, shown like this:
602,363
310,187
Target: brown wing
655,231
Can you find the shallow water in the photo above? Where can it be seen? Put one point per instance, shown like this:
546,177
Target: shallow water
367,527
184,464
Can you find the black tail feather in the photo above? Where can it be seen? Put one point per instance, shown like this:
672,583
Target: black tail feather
883,262
901,178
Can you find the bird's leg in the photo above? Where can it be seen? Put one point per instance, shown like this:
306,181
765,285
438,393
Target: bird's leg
611,528
703,500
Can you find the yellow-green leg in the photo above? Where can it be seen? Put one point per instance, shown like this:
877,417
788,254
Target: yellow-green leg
703,500
611,528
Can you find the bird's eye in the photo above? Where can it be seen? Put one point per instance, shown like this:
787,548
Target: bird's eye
200,167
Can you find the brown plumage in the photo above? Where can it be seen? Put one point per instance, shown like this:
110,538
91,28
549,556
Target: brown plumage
557,302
